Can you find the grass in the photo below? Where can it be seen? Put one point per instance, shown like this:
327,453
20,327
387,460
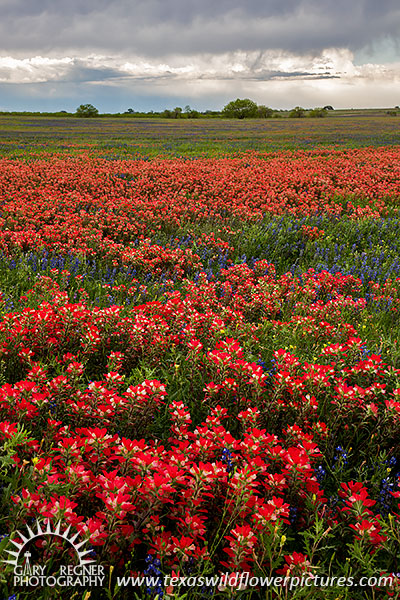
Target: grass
129,138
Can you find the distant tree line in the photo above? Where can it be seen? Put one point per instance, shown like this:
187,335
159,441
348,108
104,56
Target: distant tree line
235,109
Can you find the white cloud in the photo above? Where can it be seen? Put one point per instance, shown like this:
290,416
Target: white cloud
32,70
237,66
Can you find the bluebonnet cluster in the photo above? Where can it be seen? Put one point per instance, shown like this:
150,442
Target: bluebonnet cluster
293,512
320,474
362,255
262,364
207,591
365,351
369,259
340,458
278,239
153,570
52,407
189,565
273,368
227,459
333,501
385,496
388,485
271,372
43,261
9,305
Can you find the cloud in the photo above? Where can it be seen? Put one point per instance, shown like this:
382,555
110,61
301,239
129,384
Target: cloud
237,66
166,27
41,69
208,51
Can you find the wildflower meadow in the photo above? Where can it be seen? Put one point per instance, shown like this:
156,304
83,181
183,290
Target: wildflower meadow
200,372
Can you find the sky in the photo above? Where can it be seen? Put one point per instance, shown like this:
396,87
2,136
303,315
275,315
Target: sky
157,54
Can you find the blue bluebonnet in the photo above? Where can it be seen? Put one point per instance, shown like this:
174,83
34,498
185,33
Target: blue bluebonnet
293,512
262,364
340,458
207,591
320,474
365,351
227,459
333,501
189,566
385,495
152,570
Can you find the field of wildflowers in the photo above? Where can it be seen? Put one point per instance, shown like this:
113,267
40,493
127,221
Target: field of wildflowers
195,138
200,367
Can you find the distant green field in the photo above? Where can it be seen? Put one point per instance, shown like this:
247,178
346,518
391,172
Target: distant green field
129,138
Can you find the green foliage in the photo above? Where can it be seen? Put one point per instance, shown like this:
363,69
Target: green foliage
264,112
240,109
297,113
318,113
86,111
190,113
176,113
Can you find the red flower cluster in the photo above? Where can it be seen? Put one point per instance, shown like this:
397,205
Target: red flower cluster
186,425
99,206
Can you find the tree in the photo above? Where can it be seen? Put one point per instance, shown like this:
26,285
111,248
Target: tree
297,113
318,112
130,111
194,114
264,112
190,112
240,109
177,112
328,107
86,111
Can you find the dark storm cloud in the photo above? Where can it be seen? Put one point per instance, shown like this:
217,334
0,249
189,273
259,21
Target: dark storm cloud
165,27
80,72
269,75
264,75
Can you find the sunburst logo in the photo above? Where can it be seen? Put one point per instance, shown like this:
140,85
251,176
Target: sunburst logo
49,532
85,573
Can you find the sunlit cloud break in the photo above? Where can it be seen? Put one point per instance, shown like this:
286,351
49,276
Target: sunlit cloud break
238,65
